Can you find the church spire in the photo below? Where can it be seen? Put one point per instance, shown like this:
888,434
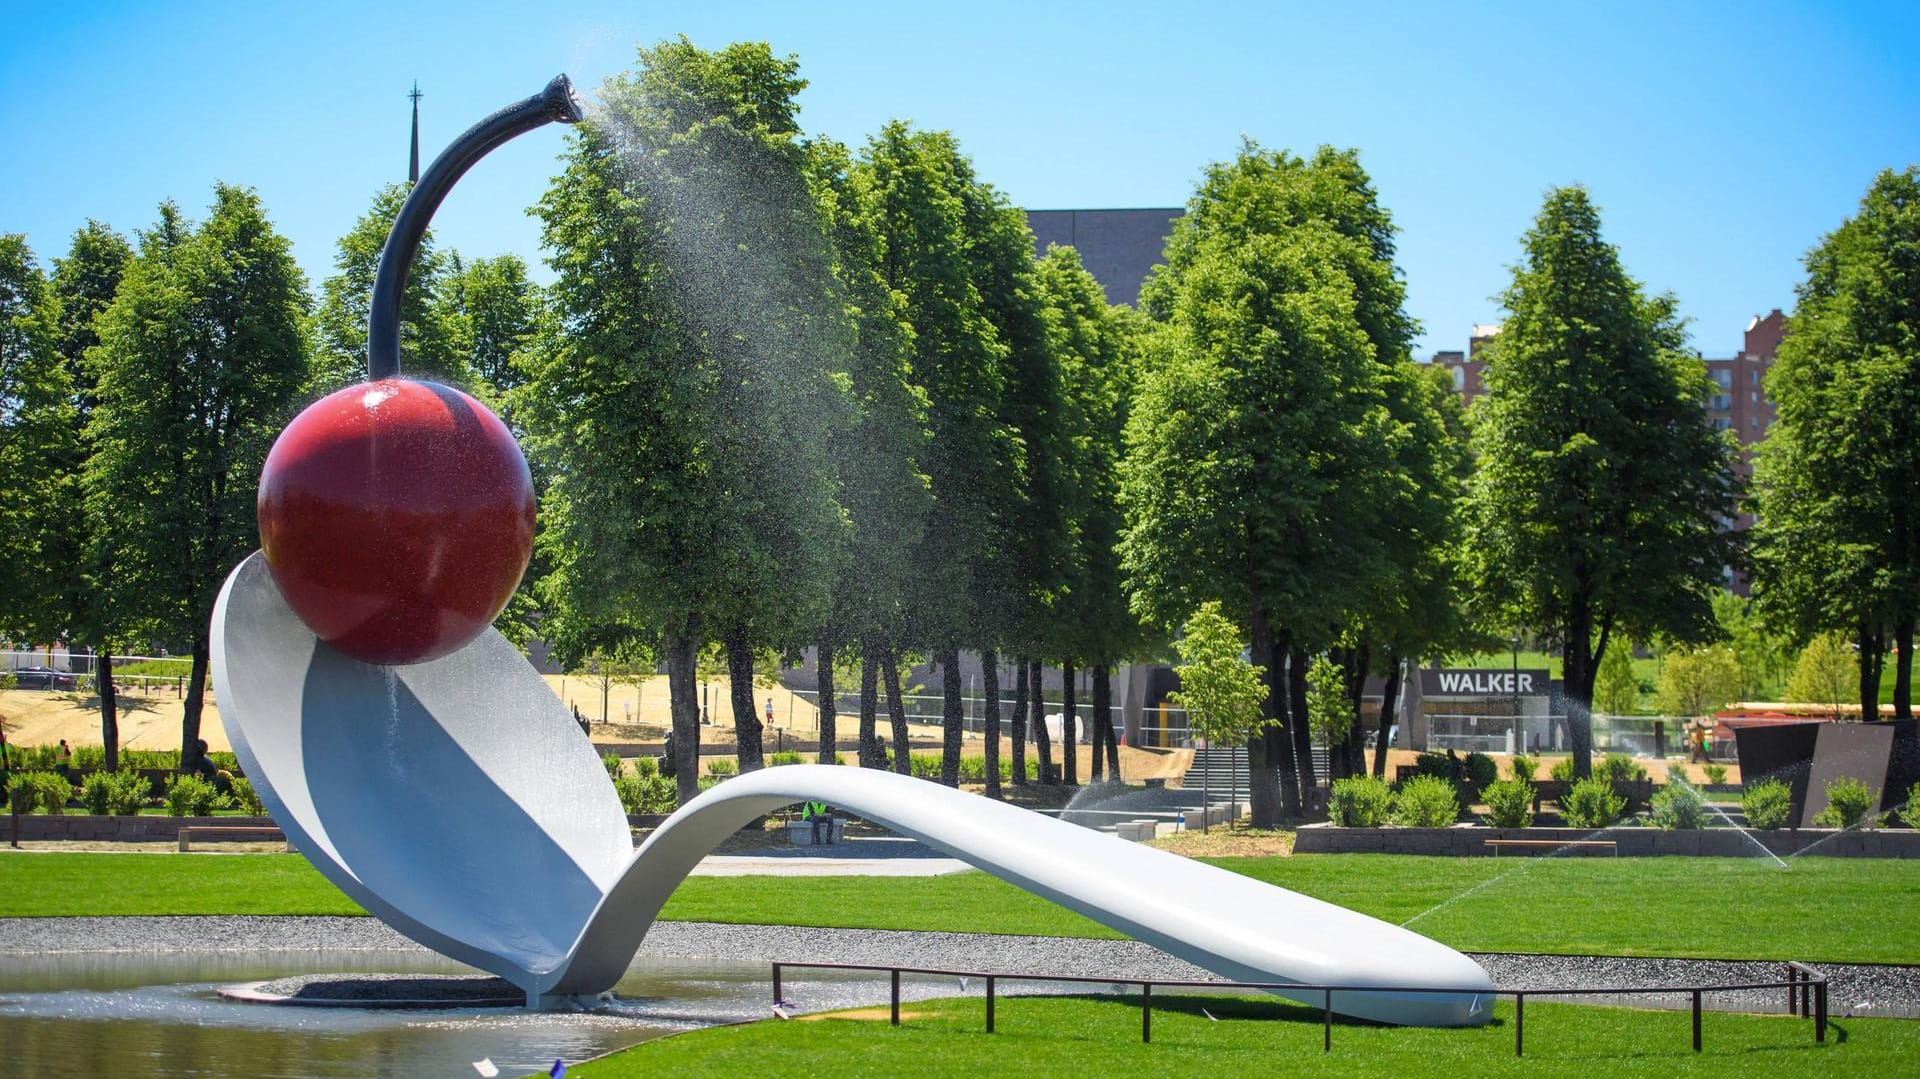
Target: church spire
413,159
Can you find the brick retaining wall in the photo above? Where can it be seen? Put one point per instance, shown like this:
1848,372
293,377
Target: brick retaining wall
1471,840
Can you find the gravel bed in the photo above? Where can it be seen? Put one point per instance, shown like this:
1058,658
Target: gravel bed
1859,989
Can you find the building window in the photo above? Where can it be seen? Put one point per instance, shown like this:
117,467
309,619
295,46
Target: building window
1721,402
1723,378
1753,376
1459,380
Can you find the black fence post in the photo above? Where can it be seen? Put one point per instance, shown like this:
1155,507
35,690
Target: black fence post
776,984
1820,1011
1326,1023
1793,977
896,995
1696,1020
1519,1021
989,1003
1146,1012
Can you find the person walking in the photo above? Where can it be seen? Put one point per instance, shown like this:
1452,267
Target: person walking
63,761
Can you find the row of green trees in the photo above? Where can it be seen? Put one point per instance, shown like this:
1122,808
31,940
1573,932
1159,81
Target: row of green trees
784,393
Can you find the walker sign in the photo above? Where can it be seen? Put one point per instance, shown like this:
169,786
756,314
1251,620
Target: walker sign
1455,682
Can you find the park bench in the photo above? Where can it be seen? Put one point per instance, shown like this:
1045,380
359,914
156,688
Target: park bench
1607,844
261,831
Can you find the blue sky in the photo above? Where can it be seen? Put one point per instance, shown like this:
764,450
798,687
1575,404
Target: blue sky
1721,140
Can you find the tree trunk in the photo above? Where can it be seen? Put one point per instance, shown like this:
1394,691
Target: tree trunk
1576,658
1302,732
990,726
1043,742
869,692
828,703
1903,670
1019,763
109,705
897,712
683,698
1270,783
196,699
1389,698
1069,722
1356,743
1872,642
746,722
1103,716
1097,769
952,717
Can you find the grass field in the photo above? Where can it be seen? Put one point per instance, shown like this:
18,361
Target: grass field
1820,909
1094,1036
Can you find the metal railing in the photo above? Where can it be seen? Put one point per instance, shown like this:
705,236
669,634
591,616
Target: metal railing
1806,993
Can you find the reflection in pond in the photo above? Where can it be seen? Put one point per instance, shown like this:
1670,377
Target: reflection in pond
159,1014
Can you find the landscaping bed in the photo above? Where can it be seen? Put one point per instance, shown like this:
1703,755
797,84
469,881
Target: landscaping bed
1465,840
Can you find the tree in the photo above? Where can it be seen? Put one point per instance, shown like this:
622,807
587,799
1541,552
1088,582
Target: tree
877,451
1697,681
345,298
202,357
1602,489
37,443
1837,540
1328,708
1616,688
923,198
1223,694
1093,344
686,400
1259,441
85,283
490,312
1825,673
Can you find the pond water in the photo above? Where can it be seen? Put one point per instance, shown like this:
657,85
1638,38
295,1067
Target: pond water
136,1015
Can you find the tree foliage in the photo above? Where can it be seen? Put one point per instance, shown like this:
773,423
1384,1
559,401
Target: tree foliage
1601,492
37,444
1221,692
1698,681
1825,673
1837,538
340,323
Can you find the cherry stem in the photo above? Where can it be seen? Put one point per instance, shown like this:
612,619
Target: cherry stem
555,103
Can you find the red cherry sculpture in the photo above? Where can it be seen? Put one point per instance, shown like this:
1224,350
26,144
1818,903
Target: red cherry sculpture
397,517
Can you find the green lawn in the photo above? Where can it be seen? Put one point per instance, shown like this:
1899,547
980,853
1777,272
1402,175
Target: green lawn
1820,909
1090,1036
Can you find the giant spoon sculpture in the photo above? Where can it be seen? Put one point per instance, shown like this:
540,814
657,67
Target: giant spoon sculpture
424,767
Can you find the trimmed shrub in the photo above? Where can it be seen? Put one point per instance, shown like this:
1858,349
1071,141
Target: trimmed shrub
1509,803
246,799
1359,802
1523,767
774,760
1481,771
1426,802
1678,805
1620,768
190,796
1716,774
646,766
1767,804
723,766
120,793
1433,764
1592,803
1563,770
611,762
651,793
1911,811
1848,802
45,791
